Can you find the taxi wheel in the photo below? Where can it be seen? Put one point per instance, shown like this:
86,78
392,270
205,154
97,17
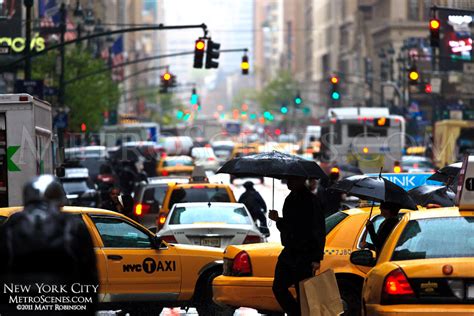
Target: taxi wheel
206,305
350,295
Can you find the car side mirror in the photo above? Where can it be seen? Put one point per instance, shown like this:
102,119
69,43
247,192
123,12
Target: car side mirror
363,258
157,241
264,230
153,229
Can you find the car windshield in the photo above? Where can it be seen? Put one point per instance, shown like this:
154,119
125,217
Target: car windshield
417,163
210,214
75,186
155,194
223,151
84,154
178,162
203,194
446,237
333,220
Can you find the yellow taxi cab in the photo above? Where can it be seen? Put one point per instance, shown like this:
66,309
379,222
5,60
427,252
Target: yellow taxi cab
249,269
175,165
200,191
139,271
427,264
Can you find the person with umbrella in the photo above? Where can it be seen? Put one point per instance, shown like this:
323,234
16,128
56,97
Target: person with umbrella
392,198
303,236
389,211
302,227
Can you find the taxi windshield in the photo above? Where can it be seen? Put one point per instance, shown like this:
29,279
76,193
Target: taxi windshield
447,237
210,214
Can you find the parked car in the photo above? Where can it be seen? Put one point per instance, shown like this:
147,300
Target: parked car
205,158
80,191
417,164
141,274
90,157
175,166
214,224
149,197
195,191
223,150
426,266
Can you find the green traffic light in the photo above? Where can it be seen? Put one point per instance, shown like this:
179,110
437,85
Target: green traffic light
179,115
253,116
306,111
298,100
335,95
284,110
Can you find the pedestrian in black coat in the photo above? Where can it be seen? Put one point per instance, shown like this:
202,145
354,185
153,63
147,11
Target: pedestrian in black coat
254,203
390,212
303,235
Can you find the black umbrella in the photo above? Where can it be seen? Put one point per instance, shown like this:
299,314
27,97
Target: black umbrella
432,194
273,164
375,189
447,173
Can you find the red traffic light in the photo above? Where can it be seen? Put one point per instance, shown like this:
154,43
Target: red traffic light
334,80
83,127
167,76
200,45
428,88
434,24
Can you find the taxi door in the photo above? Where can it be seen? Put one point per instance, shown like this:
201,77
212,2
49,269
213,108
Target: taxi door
135,270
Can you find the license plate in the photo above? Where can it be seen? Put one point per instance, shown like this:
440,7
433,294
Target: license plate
211,242
470,291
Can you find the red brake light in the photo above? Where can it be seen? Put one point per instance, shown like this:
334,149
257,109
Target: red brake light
241,265
105,178
169,239
211,159
141,209
252,239
164,173
396,283
199,187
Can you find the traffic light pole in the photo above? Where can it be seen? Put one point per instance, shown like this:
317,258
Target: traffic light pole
159,27
136,61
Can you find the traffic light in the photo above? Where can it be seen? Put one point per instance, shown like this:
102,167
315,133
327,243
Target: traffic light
212,53
298,99
199,46
244,65
335,94
434,32
83,127
179,114
283,109
194,97
428,88
168,80
165,82
413,75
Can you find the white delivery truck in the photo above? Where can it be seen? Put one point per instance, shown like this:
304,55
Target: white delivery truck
25,144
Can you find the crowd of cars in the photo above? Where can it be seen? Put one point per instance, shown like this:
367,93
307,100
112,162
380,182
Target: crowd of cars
203,249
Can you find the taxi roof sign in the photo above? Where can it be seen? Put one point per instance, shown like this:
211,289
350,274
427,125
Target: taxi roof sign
465,194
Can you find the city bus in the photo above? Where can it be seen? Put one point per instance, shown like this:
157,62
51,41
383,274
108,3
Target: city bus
370,138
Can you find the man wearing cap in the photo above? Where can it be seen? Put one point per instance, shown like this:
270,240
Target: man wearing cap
254,203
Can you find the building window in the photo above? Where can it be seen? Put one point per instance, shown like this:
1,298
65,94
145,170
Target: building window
414,10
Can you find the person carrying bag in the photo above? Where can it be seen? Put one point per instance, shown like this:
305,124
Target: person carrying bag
319,295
